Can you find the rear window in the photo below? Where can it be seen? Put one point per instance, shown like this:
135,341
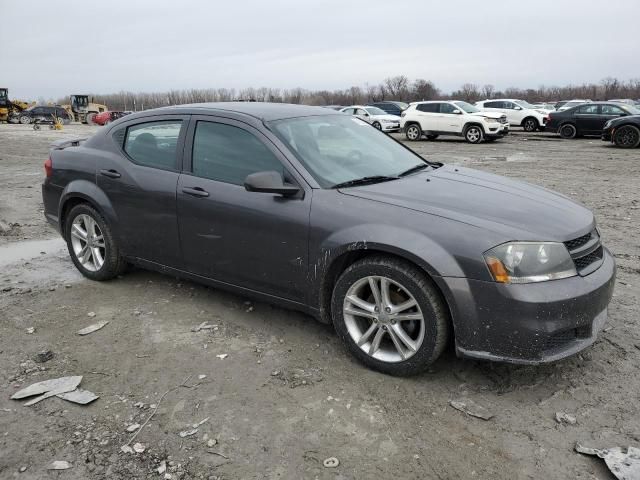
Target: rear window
154,144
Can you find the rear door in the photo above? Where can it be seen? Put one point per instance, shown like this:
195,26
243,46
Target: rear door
429,116
253,240
588,119
140,182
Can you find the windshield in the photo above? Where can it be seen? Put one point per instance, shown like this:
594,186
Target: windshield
630,109
337,149
375,111
3,94
467,107
81,101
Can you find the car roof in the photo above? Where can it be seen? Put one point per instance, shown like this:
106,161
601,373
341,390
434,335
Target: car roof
259,110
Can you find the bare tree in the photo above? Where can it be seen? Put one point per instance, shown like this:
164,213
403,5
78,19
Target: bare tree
487,90
398,86
424,90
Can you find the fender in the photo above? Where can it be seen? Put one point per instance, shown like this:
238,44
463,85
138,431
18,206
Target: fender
93,194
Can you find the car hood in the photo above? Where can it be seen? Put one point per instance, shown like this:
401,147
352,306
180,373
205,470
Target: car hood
517,210
489,114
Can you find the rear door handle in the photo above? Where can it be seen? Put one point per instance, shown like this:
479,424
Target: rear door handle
110,173
195,192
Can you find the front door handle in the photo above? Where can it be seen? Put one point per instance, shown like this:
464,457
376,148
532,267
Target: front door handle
195,192
110,173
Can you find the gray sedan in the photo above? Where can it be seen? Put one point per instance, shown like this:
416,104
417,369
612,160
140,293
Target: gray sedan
318,211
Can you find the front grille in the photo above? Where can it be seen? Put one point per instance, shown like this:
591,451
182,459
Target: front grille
578,242
586,251
587,260
503,119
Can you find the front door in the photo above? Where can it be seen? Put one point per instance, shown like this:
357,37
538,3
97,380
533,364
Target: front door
449,121
140,183
588,119
253,240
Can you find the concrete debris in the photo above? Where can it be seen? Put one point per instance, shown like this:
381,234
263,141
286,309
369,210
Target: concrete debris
43,356
47,388
212,442
471,408
162,468
331,462
201,377
126,449
133,427
196,425
59,465
188,433
31,330
562,417
80,396
139,448
624,465
203,326
222,356
92,328
91,314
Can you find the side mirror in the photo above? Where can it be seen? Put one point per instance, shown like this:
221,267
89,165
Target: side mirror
269,182
457,112
365,114
517,108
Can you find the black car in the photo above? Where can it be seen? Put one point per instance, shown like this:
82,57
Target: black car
319,211
41,113
587,119
391,107
624,131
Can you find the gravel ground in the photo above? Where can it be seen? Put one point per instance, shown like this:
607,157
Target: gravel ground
288,395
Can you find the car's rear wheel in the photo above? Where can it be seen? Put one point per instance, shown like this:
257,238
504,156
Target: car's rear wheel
25,119
390,315
91,244
568,130
473,134
627,136
432,137
377,125
530,124
413,132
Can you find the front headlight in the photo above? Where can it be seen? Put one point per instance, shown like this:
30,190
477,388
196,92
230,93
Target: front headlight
389,121
488,119
607,125
529,262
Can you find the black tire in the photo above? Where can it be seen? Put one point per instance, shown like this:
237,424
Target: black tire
627,136
432,136
413,132
429,300
377,125
568,131
530,124
473,134
114,264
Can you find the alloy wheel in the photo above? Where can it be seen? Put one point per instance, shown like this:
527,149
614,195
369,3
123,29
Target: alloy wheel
377,125
384,319
413,133
627,137
530,125
568,131
88,242
474,134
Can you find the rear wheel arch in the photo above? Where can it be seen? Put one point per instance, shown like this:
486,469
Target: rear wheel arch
82,191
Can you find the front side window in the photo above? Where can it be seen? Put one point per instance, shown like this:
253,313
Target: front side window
447,108
336,149
361,111
228,154
375,111
588,109
467,107
154,144
349,111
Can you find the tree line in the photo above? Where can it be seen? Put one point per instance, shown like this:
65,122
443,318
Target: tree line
399,87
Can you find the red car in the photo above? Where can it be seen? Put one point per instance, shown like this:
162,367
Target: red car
107,117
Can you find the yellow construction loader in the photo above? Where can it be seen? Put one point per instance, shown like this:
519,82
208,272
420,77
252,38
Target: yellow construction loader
11,108
82,110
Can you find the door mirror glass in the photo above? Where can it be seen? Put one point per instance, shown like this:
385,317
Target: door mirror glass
517,108
457,112
269,182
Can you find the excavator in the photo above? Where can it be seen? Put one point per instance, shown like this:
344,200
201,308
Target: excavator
10,108
82,110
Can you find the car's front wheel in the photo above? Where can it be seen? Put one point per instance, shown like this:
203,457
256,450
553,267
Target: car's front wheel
530,124
413,132
25,120
568,130
91,244
390,315
627,136
377,125
473,134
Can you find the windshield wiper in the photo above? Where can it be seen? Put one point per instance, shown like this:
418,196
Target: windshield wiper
413,169
365,181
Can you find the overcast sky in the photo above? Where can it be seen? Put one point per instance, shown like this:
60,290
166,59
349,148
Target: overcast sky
50,49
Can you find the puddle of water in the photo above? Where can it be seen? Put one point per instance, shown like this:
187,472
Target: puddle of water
29,249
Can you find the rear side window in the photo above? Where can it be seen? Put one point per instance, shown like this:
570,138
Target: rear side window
228,154
493,105
428,107
154,144
588,109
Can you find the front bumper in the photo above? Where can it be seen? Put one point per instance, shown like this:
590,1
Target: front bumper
607,135
530,323
390,127
499,130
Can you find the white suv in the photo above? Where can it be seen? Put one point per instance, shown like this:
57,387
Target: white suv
518,112
452,118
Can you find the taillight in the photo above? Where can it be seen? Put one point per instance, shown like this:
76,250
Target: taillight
48,167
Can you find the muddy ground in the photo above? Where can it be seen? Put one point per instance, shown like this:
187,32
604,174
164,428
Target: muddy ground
288,395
